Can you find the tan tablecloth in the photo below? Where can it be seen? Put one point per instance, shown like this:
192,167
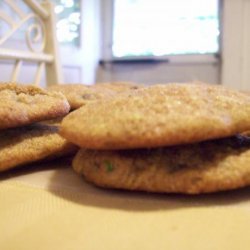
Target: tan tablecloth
53,208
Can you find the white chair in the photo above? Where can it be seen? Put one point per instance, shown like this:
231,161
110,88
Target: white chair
40,40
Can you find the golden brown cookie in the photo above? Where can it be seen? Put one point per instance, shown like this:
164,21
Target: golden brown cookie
210,166
56,122
78,94
19,146
119,86
159,115
25,104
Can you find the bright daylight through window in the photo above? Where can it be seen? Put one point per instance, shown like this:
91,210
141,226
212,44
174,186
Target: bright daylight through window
165,27
68,20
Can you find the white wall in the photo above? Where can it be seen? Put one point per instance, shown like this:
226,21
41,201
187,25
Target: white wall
236,44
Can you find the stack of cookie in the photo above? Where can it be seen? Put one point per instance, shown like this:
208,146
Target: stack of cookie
23,136
179,138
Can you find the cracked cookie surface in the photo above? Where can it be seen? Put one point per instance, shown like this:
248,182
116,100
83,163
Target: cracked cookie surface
159,115
26,104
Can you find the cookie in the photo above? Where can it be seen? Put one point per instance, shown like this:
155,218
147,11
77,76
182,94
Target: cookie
204,167
119,86
25,104
19,146
159,115
56,122
78,94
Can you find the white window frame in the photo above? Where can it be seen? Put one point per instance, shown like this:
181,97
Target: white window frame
107,9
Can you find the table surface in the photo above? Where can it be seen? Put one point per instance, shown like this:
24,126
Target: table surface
48,206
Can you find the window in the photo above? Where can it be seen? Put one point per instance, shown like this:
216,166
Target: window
143,28
68,21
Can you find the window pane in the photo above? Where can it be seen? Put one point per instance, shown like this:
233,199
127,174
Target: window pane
165,27
68,21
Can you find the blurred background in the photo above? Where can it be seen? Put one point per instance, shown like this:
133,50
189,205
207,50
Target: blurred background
151,41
